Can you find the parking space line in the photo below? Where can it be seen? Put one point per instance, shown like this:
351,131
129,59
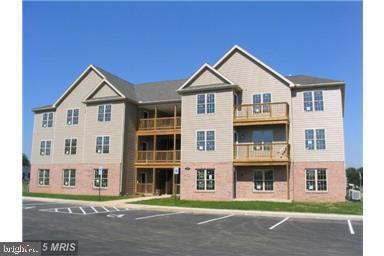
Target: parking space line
158,215
350,227
280,222
82,210
220,218
93,208
69,210
117,209
105,209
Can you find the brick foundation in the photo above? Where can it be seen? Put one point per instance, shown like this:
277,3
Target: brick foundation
224,177
84,179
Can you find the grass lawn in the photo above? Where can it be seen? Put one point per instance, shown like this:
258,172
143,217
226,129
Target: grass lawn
339,208
76,197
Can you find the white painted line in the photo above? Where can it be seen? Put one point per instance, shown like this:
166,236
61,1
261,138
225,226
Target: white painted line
93,208
105,209
158,215
69,210
350,227
56,209
220,218
280,222
117,209
81,209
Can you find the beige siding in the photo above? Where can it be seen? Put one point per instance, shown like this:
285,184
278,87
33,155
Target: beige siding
39,134
331,119
207,77
220,121
104,91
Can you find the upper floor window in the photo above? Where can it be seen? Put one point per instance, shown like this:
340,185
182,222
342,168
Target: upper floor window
205,179
45,147
263,180
70,146
47,120
205,140
72,116
102,144
69,177
317,104
205,103
260,103
316,179
43,177
104,114
100,179
311,143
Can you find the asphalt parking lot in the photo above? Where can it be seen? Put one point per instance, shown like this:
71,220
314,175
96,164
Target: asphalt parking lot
109,230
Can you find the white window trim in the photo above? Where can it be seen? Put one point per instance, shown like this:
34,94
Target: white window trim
315,139
205,140
97,116
313,101
77,143
42,120
66,116
62,176
94,178
46,148
205,103
102,144
273,180
205,190
38,178
305,180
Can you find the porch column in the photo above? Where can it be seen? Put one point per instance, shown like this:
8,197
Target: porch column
155,119
174,116
153,180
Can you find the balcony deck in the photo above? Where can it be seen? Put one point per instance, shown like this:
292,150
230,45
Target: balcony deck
260,154
159,125
261,114
161,158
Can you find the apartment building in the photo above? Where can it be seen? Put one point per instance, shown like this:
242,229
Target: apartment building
235,130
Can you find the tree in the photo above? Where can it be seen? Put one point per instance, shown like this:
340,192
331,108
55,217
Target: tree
355,176
26,161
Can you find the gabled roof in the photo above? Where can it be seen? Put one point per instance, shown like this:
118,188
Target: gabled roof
202,69
304,80
253,58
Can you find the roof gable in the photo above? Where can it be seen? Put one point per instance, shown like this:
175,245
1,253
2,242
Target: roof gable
205,75
103,90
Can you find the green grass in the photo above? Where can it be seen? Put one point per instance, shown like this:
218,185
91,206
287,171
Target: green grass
76,197
25,187
355,208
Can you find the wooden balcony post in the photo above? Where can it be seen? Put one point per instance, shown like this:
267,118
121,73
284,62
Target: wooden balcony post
153,180
174,147
155,119
270,109
174,116
154,147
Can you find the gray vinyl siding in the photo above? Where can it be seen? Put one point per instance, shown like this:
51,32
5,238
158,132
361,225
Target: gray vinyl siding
221,121
205,78
104,91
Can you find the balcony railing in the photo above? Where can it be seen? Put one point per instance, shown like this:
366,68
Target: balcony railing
261,112
144,188
160,123
160,156
261,152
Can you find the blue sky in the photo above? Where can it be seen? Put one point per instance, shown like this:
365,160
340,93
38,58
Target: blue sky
144,42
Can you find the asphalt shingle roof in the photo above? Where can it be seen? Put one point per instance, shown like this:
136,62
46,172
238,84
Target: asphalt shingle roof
308,80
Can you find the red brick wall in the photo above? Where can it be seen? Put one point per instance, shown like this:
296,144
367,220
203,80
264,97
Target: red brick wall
245,184
224,177
336,182
84,179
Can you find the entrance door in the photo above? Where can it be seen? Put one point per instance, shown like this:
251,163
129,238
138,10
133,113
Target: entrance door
164,181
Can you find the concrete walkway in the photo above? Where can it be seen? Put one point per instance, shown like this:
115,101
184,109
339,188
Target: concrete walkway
126,203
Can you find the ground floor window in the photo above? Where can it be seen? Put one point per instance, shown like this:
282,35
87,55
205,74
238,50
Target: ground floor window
205,179
103,178
263,180
316,179
43,177
69,177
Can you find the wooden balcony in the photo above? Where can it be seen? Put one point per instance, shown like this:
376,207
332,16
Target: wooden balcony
160,125
144,188
158,157
261,114
261,154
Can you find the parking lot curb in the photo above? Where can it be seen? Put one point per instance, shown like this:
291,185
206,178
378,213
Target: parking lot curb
248,212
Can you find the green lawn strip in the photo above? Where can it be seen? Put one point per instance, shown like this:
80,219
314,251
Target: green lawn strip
76,197
355,208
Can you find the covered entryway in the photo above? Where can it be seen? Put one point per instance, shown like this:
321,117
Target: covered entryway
157,181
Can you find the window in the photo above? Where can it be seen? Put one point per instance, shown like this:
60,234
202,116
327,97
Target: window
210,103
205,140
205,179
43,177
316,179
310,140
205,102
320,139
263,180
69,177
104,114
260,103
72,116
47,120
102,144
45,147
70,146
103,178
318,101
